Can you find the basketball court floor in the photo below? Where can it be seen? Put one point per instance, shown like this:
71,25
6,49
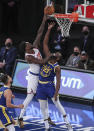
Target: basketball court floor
80,116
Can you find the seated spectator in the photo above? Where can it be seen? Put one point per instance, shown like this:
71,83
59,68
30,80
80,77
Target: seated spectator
74,58
85,62
8,55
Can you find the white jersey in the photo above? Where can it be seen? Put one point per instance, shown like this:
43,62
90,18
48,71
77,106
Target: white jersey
35,68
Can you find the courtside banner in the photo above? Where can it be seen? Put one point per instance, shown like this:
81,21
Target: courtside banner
77,83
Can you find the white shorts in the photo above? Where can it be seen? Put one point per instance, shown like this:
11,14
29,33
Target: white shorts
32,83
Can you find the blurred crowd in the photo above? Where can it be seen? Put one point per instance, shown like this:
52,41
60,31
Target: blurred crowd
81,56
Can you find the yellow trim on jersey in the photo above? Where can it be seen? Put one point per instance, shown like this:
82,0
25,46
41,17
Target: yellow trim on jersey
2,106
1,124
55,67
6,116
45,82
52,64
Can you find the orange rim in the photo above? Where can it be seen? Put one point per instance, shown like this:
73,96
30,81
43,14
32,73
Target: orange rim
73,16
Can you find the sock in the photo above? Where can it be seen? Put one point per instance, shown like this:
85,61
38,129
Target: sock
26,103
61,109
44,110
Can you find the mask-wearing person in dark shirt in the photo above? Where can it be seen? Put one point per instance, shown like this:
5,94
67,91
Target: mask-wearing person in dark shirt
8,55
74,58
85,30
85,62
8,45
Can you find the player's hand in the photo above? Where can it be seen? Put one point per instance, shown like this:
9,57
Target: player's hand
21,106
51,25
55,96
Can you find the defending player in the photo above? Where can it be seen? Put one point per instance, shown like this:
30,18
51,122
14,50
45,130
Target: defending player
5,102
33,56
46,87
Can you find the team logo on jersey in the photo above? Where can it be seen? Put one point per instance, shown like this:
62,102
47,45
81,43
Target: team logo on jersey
45,71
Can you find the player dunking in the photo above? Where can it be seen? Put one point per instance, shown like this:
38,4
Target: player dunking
5,101
33,56
46,87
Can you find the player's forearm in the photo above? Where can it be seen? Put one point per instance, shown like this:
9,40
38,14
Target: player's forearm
57,88
46,39
41,29
39,33
12,106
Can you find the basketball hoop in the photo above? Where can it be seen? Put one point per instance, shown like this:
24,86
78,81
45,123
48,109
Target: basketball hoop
65,21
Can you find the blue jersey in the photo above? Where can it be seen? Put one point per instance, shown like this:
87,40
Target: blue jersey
47,72
46,86
2,98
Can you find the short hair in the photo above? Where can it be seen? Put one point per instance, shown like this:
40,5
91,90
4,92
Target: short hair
3,78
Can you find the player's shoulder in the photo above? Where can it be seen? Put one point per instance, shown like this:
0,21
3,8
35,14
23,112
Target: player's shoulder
7,91
56,65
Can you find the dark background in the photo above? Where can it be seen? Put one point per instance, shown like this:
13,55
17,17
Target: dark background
30,13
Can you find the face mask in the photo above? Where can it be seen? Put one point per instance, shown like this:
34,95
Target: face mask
76,53
85,32
9,44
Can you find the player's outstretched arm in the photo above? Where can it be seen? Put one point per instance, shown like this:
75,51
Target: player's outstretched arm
58,80
8,96
36,43
46,39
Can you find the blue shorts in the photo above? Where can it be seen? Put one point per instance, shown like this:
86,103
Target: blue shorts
45,91
5,117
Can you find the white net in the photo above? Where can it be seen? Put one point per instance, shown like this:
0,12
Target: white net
65,24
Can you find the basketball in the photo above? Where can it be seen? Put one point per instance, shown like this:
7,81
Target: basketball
49,10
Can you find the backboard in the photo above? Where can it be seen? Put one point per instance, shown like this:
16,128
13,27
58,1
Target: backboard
85,8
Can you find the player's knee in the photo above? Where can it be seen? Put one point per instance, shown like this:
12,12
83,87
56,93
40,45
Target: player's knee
57,103
42,105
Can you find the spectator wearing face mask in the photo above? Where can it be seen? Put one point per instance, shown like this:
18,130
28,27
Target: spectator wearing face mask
8,55
74,58
87,42
85,62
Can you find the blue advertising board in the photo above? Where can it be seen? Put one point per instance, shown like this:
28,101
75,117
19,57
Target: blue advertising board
73,82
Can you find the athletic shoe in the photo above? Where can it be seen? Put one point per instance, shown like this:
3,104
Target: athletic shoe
69,127
20,122
51,122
